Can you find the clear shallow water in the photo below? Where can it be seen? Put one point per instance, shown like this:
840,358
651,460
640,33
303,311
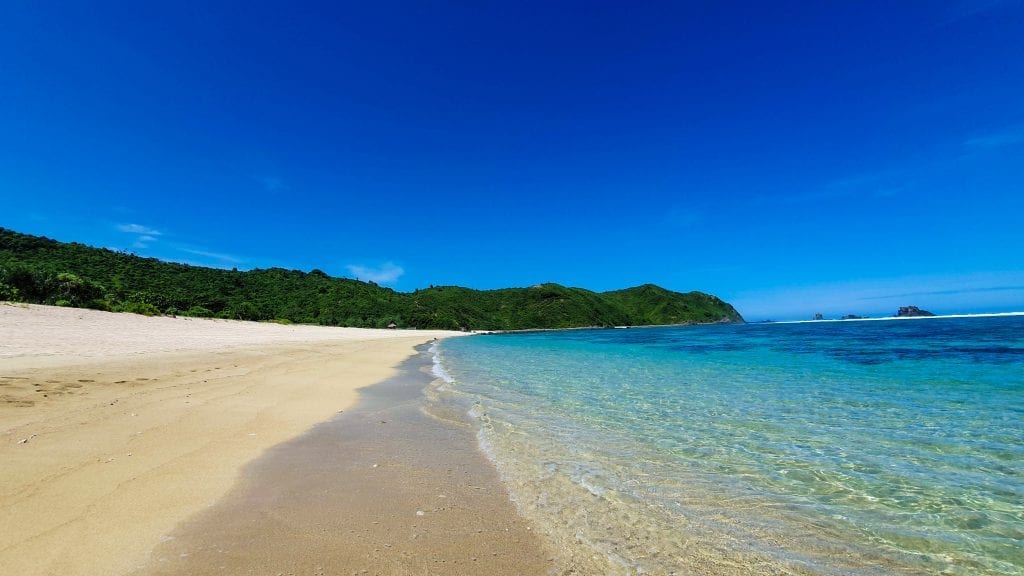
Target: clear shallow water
824,448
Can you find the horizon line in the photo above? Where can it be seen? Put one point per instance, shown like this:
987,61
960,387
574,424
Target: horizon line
978,315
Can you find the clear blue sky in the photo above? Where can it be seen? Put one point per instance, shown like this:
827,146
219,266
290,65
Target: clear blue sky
791,158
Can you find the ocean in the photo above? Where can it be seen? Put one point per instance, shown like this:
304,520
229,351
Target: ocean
866,448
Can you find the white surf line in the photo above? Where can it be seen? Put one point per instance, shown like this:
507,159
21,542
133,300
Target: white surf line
986,315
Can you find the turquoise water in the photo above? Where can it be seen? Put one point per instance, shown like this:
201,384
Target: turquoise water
888,447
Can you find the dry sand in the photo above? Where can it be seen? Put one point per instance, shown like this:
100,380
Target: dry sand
115,428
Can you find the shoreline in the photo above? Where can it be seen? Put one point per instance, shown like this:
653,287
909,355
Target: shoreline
387,487
117,427
756,452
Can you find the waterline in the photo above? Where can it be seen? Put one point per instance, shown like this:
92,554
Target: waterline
826,449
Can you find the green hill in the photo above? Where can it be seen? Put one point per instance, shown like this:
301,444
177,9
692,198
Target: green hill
44,271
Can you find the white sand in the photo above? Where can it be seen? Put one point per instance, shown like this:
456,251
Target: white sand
116,427
65,336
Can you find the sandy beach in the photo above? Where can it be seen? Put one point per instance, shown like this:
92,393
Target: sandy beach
385,488
117,428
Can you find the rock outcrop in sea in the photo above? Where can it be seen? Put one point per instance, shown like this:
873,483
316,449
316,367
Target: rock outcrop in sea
911,311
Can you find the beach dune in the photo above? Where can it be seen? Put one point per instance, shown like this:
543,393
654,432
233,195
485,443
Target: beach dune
114,428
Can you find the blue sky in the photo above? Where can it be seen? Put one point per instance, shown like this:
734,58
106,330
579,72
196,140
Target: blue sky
791,158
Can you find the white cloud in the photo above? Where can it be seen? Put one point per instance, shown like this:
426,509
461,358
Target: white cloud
144,234
220,256
138,229
386,273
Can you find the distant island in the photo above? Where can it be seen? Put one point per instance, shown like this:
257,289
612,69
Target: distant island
39,270
911,312
903,312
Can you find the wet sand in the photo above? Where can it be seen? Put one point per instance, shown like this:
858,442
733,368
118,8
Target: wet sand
115,428
381,489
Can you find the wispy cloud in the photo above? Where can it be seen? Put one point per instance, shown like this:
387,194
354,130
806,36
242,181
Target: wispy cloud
386,273
967,8
138,229
143,241
1000,139
870,185
144,235
220,257
976,292
946,292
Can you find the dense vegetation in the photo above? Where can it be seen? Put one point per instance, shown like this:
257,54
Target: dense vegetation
44,271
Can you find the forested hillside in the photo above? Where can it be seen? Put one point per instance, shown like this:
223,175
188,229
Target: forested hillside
40,270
